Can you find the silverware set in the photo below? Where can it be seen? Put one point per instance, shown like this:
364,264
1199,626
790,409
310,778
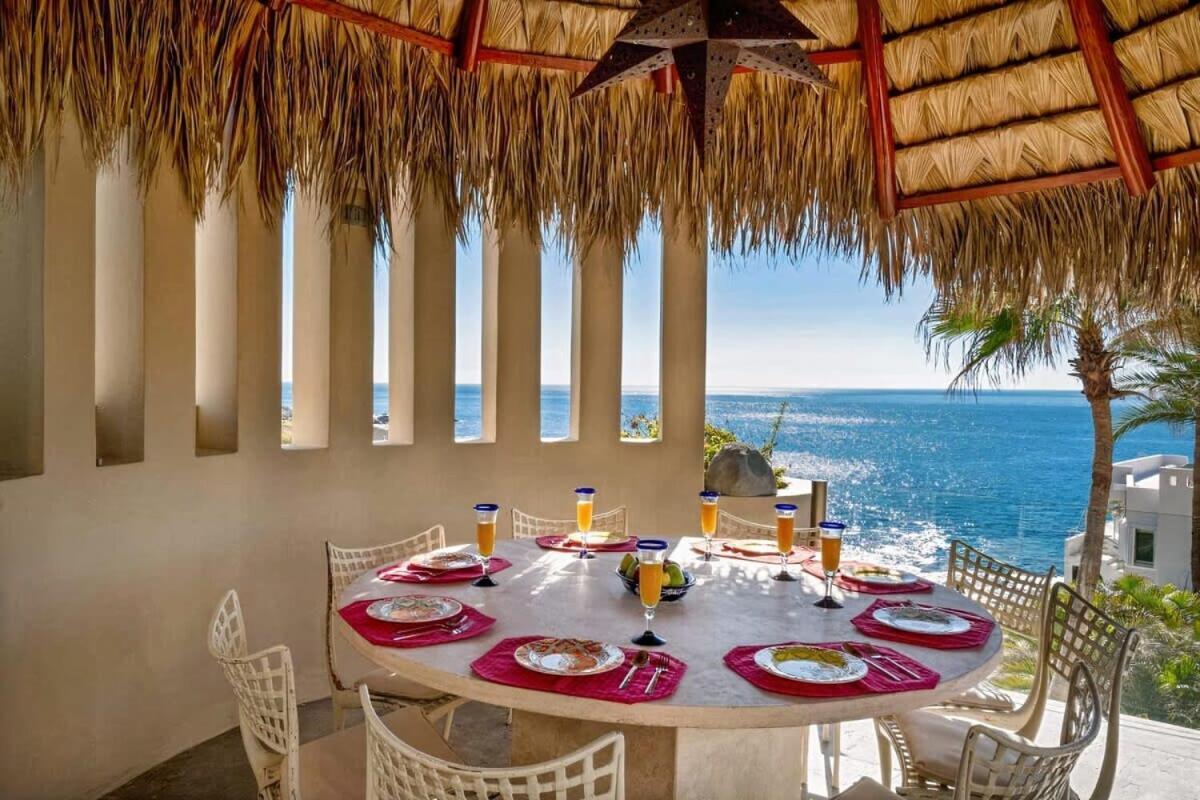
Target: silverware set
661,664
873,658
451,627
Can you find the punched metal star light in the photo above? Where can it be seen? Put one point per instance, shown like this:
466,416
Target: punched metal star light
706,40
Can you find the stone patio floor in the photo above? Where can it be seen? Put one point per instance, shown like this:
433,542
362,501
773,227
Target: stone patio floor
1157,761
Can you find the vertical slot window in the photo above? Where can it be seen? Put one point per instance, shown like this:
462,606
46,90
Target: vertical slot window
380,381
641,338
216,329
120,355
306,312
475,311
22,232
397,331
557,308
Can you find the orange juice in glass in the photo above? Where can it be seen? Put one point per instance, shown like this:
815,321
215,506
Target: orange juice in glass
708,520
485,539
585,501
652,557
785,536
831,557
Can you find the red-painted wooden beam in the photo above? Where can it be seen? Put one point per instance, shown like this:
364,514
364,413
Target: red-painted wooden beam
879,111
664,80
378,24
1119,117
470,34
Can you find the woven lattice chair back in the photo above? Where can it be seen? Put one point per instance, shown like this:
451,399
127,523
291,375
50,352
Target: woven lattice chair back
345,564
996,765
227,631
1014,596
733,527
527,526
398,771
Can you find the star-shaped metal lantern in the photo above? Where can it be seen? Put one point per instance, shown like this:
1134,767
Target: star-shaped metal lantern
706,40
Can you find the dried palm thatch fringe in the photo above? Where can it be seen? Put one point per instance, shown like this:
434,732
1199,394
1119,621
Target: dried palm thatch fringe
224,90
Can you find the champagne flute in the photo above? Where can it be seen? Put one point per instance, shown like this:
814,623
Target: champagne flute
652,555
485,538
831,556
708,520
585,501
785,537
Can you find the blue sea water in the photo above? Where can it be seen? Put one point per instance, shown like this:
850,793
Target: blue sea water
909,471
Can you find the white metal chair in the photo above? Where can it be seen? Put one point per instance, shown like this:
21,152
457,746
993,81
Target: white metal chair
388,689
730,526
998,765
1017,599
265,687
733,527
527,526
1075,633
399,768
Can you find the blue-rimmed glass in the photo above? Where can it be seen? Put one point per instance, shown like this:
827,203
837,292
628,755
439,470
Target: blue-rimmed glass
785,537
585,503
652,556
831,556
485,538
708,520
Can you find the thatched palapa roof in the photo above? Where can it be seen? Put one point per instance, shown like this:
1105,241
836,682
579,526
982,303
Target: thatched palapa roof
1019,147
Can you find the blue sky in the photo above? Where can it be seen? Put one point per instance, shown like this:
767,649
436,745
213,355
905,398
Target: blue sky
771,324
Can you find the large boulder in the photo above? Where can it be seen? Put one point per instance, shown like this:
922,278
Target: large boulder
739,470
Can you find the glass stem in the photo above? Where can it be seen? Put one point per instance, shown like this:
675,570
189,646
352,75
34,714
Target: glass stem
783,563
649,618
829,584
487,565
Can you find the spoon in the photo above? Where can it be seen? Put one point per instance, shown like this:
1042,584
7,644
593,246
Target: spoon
640,660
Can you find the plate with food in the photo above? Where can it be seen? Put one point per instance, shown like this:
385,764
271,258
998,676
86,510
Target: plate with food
751,547
569,657
809,664
922,619
598,538
445,560
879,576
413,608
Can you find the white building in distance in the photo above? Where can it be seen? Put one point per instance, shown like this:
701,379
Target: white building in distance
1150,533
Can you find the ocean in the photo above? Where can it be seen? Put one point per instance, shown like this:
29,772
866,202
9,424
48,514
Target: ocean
910,470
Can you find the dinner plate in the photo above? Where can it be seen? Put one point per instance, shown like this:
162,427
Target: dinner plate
810,664
880,576
919,619
752,547
569,657
444,560
414,609
599,538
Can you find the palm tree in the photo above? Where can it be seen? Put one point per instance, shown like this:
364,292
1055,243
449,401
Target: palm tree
1167,383
1008,343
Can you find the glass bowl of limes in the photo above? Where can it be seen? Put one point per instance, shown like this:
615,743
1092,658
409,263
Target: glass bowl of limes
676,580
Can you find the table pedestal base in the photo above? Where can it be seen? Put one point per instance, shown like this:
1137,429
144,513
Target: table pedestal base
671,763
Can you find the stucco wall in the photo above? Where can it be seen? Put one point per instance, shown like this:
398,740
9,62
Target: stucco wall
108,575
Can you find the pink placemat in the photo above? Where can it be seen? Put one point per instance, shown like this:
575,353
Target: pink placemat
849,584
799,554
741,661
499,666
981,629
411,573
383,633
561,543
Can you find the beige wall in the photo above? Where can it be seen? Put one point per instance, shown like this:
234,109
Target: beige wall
108,576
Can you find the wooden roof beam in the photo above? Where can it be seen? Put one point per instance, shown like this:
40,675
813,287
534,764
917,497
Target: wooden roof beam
879,110
377,24
470,34
1105,70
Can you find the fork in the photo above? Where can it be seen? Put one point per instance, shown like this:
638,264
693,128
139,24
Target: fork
848,648
871,651
661,669
431,627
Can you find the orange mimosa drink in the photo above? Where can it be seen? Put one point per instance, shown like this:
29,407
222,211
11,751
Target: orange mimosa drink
485,539
585,501
652,559
831,553
785,536
650,581
831,558
708,520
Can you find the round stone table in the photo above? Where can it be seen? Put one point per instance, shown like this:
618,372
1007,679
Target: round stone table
718,736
